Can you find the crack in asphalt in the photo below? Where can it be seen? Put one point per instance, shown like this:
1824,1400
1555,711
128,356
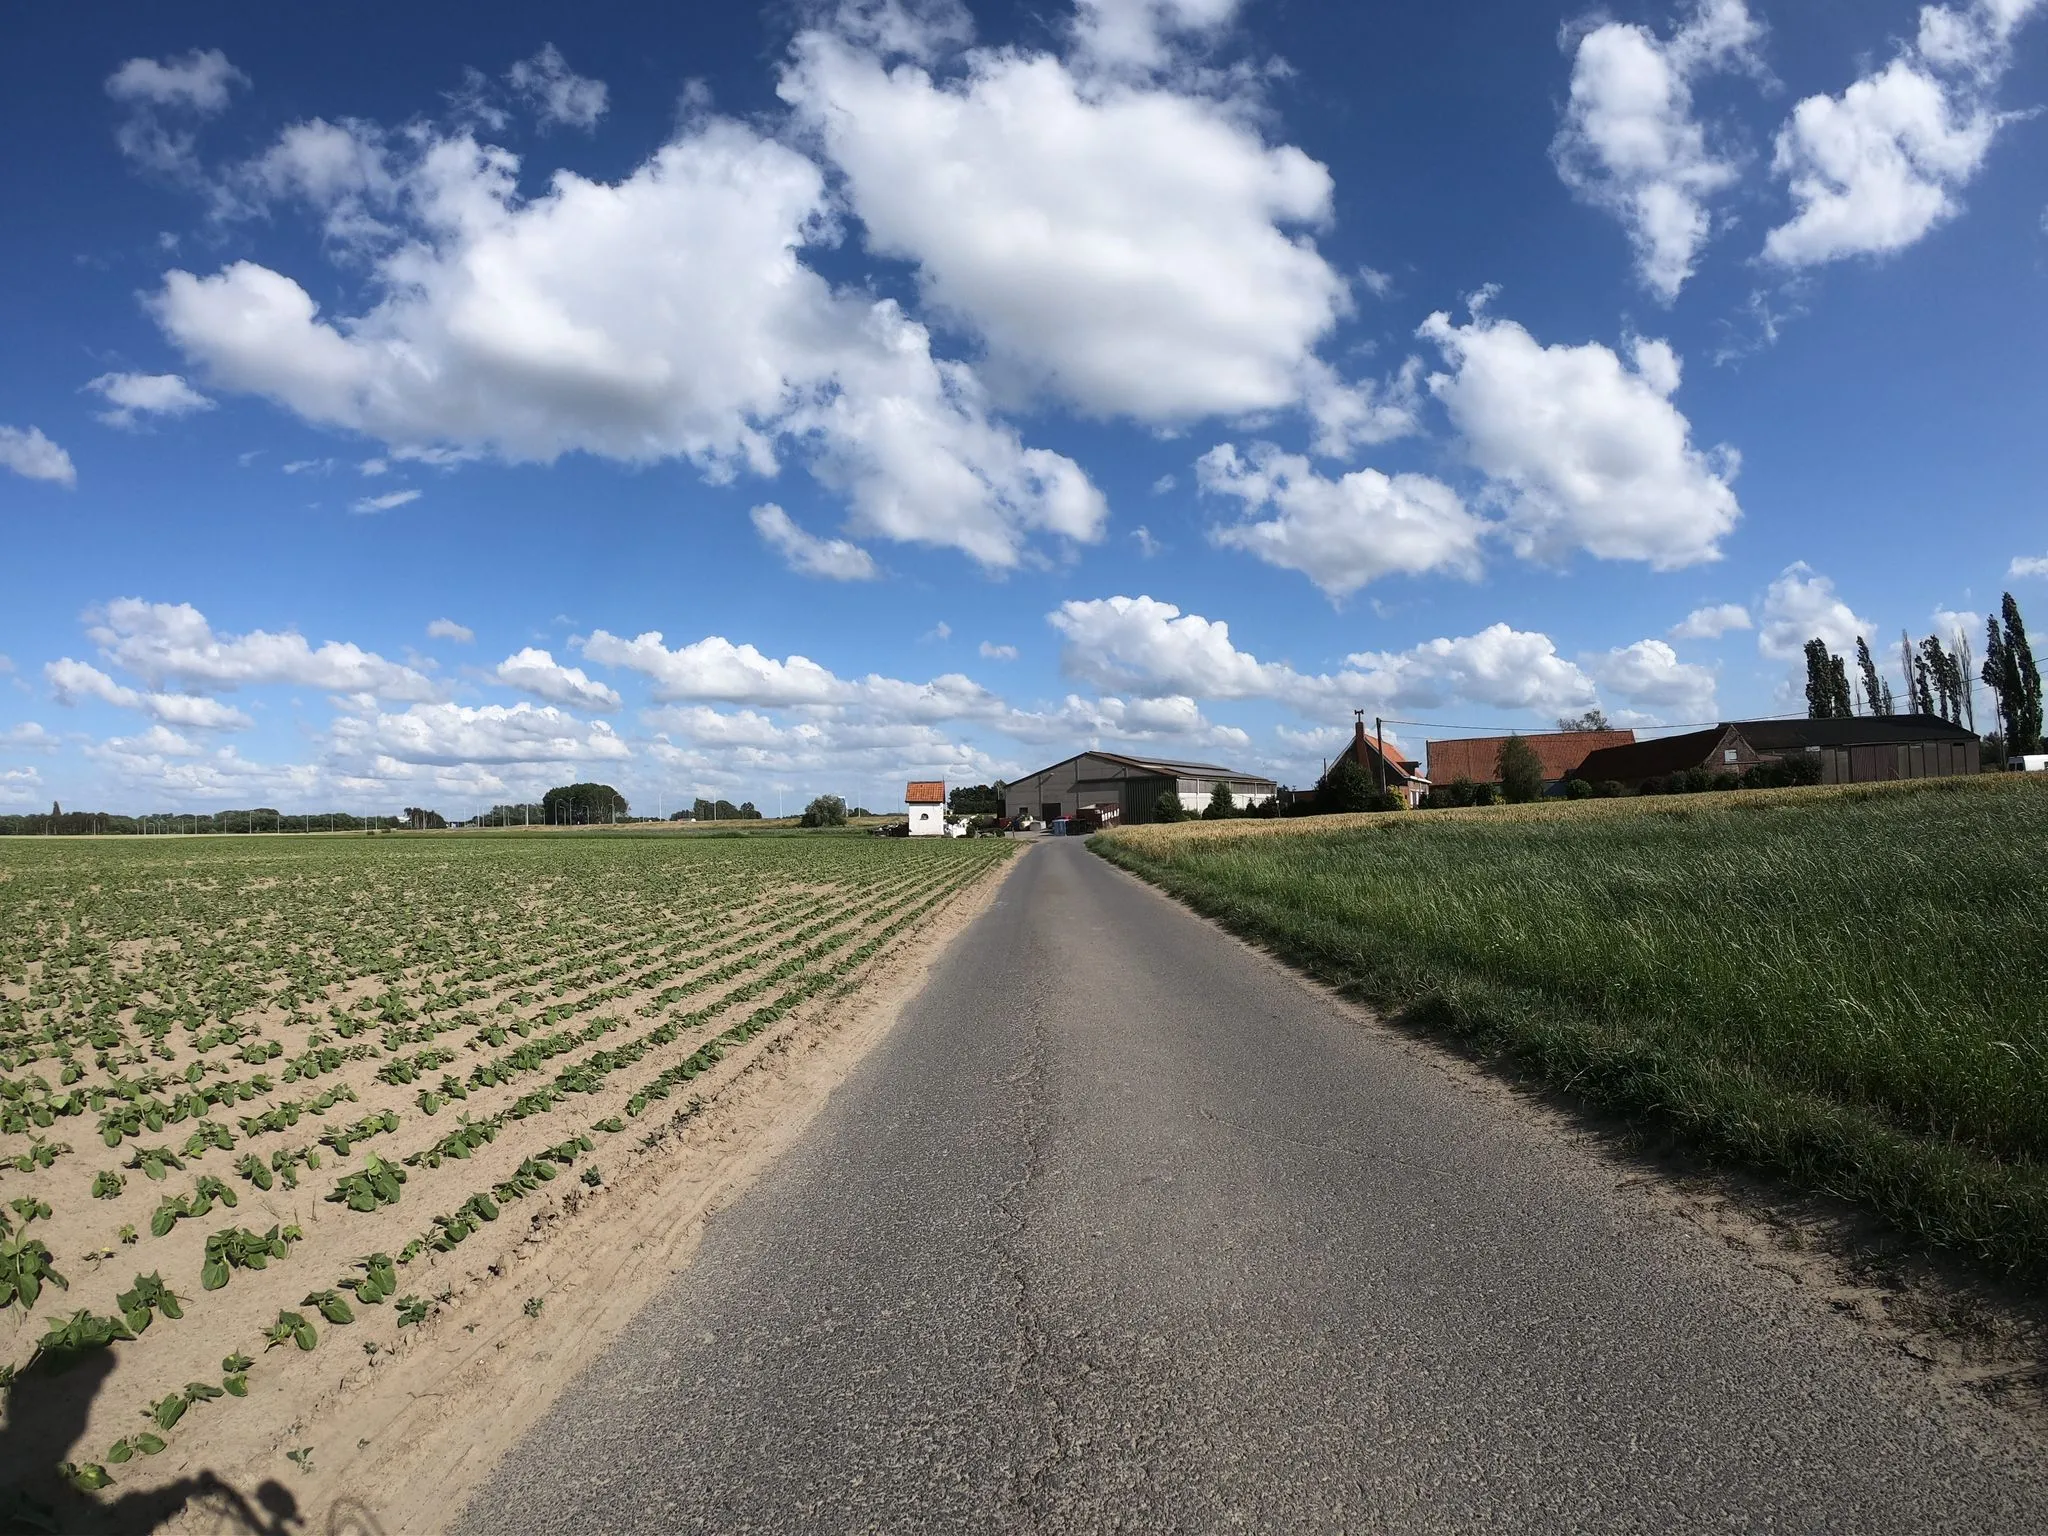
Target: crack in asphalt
1028,1377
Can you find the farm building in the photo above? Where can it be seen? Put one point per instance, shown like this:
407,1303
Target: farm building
924,804
1125,789
1404,774
1476,758
1858,750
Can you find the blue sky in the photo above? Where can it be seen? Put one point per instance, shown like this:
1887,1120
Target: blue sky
410,407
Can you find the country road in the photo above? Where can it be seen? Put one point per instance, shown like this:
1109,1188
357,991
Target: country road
1121,1228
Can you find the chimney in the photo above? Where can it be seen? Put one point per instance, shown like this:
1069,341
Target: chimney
1358,740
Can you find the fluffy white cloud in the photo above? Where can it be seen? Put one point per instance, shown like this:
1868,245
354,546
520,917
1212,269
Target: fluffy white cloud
1650,675
193,85
28,736
73,680
458,735
538,673
1875,168
159,641
808,554
2028,565
1631,144
667,315
994,652
1950,622
1342,533
1712,622
448,629
557,94
135,395
1140,646
1582,449
29,453
1141,35
1501,666
714,669
1802,605
385,502
1133,247
20,786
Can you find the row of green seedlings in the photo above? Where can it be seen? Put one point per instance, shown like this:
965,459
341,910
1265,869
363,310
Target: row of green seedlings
366,1192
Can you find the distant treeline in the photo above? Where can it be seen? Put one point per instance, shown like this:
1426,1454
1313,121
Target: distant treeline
62,823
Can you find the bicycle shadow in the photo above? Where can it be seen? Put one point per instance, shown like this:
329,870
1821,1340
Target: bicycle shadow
45,1420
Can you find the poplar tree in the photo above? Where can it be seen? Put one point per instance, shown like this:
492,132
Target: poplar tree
2010,670
1820,682
1874,690
1838,689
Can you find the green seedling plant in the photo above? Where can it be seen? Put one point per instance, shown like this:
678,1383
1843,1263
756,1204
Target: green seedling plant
413,1311
107,1184
25,1268
65,1343
378,1280
378,1184
141,1302
533,1306
291,1328
331,1305
206,1136
155,1162
127,1446
238,1248
89,1478
28,1209
235,1374
41,1154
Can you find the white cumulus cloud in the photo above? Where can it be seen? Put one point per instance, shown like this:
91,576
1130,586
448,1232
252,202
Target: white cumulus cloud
994,652
1340,533
2028,565
666,315
558,95
174,641
1631,143
460,735
1649,675
1874,169
163,94
538,673
1132,246
1712,622
135,395
448,629
73,680
28,453
807,553
1803,605
1582,449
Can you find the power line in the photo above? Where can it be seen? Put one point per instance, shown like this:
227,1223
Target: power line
1519,730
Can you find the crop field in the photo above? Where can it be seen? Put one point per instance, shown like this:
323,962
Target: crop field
255,1092
1848,987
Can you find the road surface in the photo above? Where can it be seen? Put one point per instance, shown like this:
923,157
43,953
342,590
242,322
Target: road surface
1122,1229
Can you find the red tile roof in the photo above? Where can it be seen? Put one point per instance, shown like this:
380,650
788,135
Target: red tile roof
1476,758
1361,745
925,792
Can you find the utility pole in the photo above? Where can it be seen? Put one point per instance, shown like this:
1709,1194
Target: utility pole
1379,747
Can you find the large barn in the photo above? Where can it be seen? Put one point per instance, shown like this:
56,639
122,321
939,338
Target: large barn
1126,789
1860,750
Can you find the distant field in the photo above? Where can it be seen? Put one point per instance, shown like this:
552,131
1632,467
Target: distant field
1846,986
256,1091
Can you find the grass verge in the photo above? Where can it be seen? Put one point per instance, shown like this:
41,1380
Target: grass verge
1847,987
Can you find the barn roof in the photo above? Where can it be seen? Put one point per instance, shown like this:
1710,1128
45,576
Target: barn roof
1856,731
925,792
1477,757
1159,767
1651,759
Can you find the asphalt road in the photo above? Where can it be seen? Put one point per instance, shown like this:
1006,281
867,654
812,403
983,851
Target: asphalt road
1120,1229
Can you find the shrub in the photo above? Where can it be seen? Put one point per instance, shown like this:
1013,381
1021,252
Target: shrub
1168,807
825,811
1610,789
1578,789
1520,771
1220,807
1346,787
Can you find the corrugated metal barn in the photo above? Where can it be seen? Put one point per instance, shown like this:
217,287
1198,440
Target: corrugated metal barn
1126,789
1863,749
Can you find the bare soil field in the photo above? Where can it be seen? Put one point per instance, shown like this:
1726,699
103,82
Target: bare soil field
349,1152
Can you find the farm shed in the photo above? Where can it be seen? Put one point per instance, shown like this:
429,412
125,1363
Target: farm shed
1131,786
924,804
1860,750
1560,752
1404,774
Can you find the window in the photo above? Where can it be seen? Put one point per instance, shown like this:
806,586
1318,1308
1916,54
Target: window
1728,754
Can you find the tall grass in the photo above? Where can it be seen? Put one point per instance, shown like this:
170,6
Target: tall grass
1846,986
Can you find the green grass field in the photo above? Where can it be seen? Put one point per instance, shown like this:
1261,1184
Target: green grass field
1849,987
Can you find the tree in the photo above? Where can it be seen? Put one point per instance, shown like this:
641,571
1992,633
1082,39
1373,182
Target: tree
1520,771
1876,693
2015,679
1168,807
1346,787
975,800
747,811
1820,680
577,805
825,811
1838,687
1591,720
1220,807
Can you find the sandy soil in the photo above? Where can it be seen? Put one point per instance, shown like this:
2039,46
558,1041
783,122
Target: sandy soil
392,1426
